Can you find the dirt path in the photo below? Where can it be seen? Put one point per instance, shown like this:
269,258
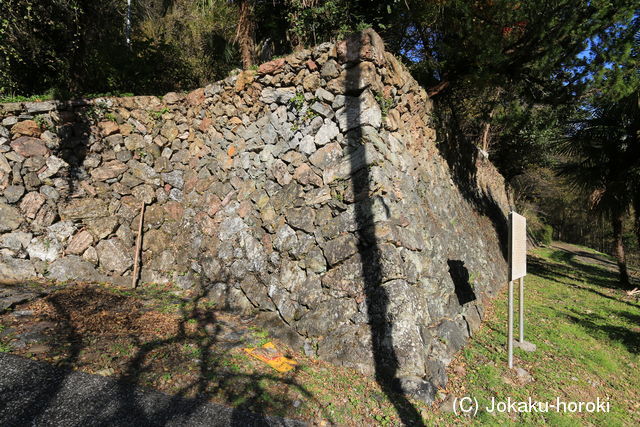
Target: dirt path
180,344
587,257
35,393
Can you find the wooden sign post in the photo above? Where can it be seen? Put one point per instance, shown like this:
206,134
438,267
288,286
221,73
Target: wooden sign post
517,271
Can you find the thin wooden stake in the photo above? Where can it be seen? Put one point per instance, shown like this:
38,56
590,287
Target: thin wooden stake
134,279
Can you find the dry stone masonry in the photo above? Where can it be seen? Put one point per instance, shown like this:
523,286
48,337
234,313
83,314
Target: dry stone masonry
303,191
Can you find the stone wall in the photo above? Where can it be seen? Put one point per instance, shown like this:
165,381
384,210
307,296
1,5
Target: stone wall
310,190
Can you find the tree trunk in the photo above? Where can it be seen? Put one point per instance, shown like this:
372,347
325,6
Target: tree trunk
636,209
244,33
619,249
486,128
485,136
437,89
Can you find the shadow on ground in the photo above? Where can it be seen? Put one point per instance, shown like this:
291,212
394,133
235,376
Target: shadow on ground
596,325
78,315
591,273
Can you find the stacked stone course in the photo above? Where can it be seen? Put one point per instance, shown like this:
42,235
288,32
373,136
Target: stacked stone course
249,190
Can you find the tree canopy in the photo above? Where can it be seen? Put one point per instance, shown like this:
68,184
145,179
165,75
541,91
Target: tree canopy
603,160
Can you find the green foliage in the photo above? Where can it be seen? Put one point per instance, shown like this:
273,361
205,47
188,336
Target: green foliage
116,93
311,23
527,46
197,35
260,336
45,122
156,115
298,101
602,159
74,47
97,111
544,234
511,72
301,106
19,98
546,199
309,115
602,151
192,350
524,135
385,104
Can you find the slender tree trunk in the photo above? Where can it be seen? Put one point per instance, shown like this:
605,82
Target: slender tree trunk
636,210
244,33
439,88
486,129
619,249
485,136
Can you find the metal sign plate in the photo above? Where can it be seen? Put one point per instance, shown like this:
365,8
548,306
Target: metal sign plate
517,246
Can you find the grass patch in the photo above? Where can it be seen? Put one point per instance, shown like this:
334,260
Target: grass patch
20,98
157,115
588,336
586,329
61,96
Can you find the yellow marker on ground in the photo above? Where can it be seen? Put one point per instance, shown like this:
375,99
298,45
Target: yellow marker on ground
272,357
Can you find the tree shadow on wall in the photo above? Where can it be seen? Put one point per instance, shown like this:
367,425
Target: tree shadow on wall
74,139
462,156
377,298
198,329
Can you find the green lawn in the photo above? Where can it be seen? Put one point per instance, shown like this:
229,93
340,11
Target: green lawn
588,335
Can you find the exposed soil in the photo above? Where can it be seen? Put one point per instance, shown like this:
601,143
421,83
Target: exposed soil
180,344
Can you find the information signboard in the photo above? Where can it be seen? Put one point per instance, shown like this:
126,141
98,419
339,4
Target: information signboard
517,246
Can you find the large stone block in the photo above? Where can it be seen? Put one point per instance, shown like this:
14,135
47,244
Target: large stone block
10,217
363,46
15,270
114,256
359,111
80,209
28,147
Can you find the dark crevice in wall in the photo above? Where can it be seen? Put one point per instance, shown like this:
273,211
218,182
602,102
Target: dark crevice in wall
460,276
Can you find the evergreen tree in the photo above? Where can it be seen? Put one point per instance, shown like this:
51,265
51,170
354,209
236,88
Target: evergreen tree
513,70
604,161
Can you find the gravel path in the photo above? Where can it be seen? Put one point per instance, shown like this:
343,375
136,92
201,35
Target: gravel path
37,394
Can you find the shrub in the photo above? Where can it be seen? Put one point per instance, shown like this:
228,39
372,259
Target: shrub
543,234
